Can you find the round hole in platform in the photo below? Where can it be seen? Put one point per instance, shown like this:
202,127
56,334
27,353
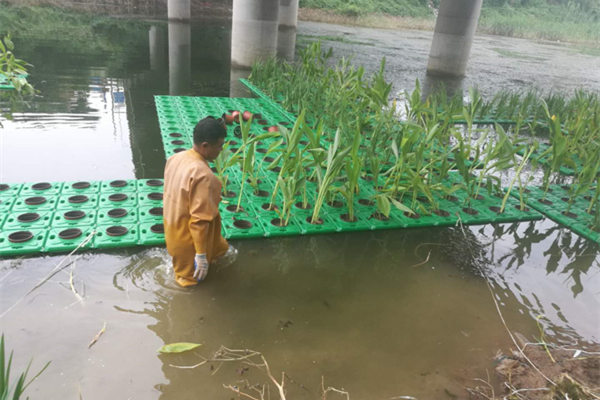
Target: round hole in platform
179,150
41,186
346,218
118,183
4,187
335,204
155,196
495,209
268,207
157,228
317,222
74,215
178,142
175,134
81,185
569,214
70,233
470,211
20,237
28,217
118,197
441,213
379,216
242,224
116,230
412,215
366,202
234,208
301,206
261,193
35,201
117,213
156,211
154,182
278,222
78,199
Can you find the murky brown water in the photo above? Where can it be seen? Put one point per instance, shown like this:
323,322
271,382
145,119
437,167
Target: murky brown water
361,310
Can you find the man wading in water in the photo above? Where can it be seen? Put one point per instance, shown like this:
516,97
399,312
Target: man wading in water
191,205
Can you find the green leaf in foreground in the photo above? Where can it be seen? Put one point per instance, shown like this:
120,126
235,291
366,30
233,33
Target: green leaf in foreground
178,347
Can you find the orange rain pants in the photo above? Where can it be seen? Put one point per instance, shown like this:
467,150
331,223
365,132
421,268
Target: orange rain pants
191,213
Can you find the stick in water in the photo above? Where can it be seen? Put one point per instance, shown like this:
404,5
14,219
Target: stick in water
95,339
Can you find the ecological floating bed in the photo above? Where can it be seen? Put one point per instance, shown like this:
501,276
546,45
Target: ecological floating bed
257,202
59,216
5,84
545,160
177,116
559,205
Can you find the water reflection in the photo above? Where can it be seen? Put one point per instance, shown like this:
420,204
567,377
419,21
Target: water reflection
179,58
554,273
328,305
157,43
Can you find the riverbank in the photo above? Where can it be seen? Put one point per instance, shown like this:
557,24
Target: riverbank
543,25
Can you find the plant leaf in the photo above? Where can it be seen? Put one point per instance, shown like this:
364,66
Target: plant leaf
178,347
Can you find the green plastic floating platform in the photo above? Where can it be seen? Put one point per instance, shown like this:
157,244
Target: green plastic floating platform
6,84
558,205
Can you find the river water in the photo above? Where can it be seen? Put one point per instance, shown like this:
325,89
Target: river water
363,311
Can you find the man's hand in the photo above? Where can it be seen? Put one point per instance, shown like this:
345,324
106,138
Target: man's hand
200,267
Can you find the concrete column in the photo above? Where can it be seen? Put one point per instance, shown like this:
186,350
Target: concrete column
179,57
432,84
254,27
288,23
178,10
157,38
454,30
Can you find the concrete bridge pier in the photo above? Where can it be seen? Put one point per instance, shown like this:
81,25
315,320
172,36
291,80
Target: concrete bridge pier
254,27
178,10
179,58
454,31
288,24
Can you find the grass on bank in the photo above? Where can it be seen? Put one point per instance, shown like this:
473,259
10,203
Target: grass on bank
83,32
574,21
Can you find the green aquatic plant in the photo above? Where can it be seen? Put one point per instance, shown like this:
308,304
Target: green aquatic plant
224,161
11,388
352,168
498,154
517,176
13,69
558,154
334,164
289,187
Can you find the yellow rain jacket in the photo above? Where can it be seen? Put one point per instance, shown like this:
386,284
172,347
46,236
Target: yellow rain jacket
191,213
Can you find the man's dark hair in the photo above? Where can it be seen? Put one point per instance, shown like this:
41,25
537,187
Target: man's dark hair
209,130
